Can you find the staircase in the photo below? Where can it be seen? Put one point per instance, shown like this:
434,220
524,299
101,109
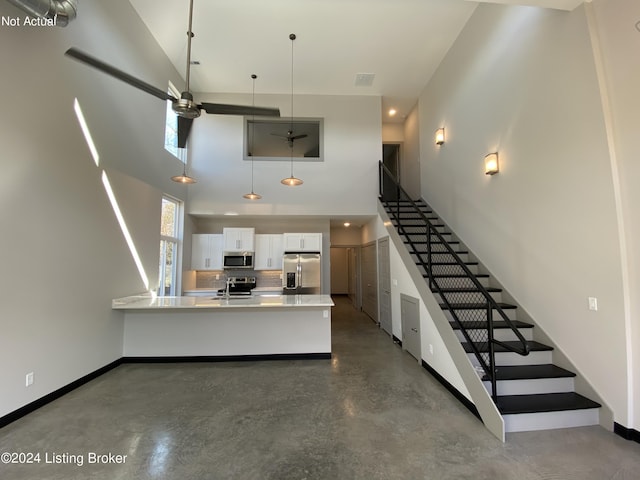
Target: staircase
530,391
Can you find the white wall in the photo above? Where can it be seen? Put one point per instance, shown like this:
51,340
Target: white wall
392,133
410,169
344,183
620,43
440,360
522,81
64,255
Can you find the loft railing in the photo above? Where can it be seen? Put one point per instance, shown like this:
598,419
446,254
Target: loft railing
469,303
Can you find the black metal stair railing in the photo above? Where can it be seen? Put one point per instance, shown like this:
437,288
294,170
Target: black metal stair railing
470,305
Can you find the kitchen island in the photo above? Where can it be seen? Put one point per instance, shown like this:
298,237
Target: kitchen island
211,328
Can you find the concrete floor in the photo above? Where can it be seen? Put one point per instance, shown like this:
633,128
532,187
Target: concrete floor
369,413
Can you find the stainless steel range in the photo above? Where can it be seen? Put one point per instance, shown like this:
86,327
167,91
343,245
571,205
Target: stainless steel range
238,287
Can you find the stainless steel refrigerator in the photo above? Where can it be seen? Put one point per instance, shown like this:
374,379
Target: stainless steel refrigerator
301,273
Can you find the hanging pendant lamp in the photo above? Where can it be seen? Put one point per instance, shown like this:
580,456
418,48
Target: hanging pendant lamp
291,181
184,178
252,195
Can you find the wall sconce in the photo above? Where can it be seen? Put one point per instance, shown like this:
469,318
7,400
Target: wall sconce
491,164
440,136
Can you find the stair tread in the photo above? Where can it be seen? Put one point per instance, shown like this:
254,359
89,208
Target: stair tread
476,306
484,346
543,402
407,241
452,263
530,372
454,275
466,290
496,324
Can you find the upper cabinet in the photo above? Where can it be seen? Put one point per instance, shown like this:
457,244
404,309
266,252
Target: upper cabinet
269,250
206,251
239,239
302,242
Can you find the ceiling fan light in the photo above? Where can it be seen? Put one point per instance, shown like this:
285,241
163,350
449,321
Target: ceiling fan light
291,181
186,107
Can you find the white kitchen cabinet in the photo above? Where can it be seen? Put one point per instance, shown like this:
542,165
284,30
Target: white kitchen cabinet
302,242
269,250
239,239
206,251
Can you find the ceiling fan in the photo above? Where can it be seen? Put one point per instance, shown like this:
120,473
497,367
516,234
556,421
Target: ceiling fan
184,107
290,137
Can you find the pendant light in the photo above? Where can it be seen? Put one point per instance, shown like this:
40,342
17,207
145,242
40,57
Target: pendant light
252,195
291,181
184,178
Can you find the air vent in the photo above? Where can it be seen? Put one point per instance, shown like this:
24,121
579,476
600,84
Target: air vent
364,79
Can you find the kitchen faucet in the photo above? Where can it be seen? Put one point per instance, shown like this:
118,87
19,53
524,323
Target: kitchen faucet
226,290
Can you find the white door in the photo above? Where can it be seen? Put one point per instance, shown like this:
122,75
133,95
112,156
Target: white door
384,278
370,281
410,318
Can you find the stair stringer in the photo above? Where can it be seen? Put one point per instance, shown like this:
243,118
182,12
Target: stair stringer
582,384
480,397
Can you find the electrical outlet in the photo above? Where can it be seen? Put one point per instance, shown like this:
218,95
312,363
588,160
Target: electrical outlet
593,303
431,349
325,314
29,379
217,276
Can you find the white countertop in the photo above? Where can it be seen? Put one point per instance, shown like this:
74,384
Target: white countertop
149,302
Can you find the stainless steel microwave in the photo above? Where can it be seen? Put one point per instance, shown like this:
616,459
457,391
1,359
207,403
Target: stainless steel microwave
235,260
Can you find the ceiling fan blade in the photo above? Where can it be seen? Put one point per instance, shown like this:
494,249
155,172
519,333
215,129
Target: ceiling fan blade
222,109
119,74
299,136
280,135
184,127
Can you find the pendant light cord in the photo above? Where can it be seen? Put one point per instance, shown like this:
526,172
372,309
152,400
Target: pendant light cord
253,125
292,37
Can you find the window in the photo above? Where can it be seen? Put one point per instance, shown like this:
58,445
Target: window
170,233
171,128
279,138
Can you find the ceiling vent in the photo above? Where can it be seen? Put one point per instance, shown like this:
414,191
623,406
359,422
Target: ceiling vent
364,79
61,11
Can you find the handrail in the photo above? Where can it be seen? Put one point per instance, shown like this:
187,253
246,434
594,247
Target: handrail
491,305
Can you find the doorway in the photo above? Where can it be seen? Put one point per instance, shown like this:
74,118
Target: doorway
391,160
344,273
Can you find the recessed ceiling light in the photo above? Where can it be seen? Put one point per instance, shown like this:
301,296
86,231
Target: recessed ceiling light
231,213
392,112
347,224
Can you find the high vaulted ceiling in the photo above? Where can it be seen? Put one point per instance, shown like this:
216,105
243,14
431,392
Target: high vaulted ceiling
401,42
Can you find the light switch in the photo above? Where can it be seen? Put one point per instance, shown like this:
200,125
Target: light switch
593,303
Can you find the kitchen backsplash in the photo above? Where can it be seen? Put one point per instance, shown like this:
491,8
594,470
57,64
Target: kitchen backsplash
267,278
